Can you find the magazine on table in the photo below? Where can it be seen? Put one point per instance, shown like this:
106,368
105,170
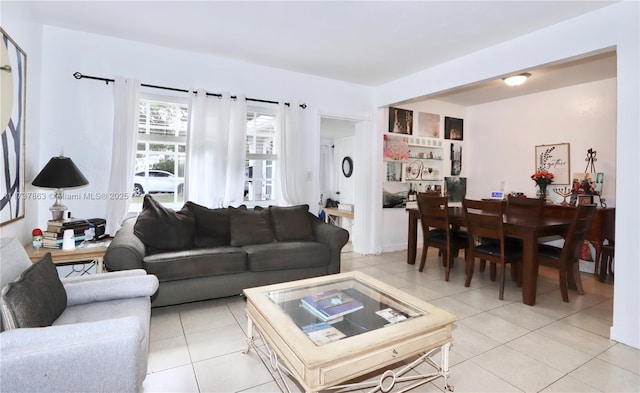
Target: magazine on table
391,315
330,305
322,333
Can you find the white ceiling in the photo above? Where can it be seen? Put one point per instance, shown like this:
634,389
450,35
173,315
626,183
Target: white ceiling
364,42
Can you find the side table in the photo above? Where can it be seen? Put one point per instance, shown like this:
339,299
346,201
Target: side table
88,254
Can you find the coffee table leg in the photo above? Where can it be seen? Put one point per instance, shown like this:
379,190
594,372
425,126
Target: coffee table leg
250,334
445,366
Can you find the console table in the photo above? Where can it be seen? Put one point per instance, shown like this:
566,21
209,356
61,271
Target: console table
602,223
89,254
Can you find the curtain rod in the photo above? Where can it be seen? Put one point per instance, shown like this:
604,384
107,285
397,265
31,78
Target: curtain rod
78,75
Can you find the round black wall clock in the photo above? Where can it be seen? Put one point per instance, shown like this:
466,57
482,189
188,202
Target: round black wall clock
347,166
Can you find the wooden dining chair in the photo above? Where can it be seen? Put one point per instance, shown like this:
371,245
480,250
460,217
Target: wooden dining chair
437,232
567,257
485,225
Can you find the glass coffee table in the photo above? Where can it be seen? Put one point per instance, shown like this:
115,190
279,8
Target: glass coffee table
329,330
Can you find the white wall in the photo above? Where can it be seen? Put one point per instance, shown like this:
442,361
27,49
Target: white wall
344,147
78,115
502,136
19,25
616,26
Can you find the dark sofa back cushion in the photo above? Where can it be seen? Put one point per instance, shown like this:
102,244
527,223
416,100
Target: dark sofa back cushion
250,227
212,225
291,223
162,228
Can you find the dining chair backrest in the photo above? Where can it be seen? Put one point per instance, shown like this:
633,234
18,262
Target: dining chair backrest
433,211
484,219
524,206
577,231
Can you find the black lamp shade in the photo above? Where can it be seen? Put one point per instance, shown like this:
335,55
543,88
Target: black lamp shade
60,172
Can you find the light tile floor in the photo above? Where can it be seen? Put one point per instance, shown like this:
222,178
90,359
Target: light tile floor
499,346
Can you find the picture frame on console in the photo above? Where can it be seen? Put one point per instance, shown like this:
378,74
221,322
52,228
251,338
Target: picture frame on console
585,200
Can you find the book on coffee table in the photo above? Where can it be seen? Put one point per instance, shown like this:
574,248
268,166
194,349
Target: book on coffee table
322,333
330,305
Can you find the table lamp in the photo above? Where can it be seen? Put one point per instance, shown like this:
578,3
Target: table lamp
60,172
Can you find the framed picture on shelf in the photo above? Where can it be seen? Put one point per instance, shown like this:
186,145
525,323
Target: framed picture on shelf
555,159
456,188
394,171
453,128
400,121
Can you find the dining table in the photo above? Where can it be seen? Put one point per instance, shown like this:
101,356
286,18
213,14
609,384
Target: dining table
527,228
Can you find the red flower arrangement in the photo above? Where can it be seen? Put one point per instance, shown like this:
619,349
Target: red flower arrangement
542,177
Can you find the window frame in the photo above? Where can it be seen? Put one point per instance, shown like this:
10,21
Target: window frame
148,139
271,161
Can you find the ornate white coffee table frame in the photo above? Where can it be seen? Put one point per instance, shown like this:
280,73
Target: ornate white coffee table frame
288,350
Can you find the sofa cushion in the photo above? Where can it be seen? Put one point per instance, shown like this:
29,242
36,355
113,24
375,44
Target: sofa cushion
286,255
250,227
212,225
36,298
291,223
198,262
163,228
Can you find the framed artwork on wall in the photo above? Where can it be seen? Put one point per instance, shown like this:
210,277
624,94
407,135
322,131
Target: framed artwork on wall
395,147
554,159
428,125
400,121
394,194
453,128
13,80
456,159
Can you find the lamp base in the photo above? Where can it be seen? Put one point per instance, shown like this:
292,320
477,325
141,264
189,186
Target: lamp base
58,209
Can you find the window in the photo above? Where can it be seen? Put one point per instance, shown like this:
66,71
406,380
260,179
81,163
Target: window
161,151
260,166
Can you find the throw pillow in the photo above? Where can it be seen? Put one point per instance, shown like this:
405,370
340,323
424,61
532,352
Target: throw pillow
291,223
36,298
163,228
250,227
212,225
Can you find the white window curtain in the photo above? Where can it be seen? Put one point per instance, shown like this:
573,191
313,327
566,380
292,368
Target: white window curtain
123,152
216,150
291,175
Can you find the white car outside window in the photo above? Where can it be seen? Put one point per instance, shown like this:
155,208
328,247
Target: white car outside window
156,181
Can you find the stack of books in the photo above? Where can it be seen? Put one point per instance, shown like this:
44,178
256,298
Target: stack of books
52,237
330,306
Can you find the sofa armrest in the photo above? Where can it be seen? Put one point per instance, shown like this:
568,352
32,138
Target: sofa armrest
126,250
110,288
47,359
333,237
106,276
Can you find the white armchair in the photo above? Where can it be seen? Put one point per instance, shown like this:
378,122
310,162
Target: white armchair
99,343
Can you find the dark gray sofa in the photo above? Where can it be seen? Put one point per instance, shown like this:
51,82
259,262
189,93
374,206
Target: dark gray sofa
228,249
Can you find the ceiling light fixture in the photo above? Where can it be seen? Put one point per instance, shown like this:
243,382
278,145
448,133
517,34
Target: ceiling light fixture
516,80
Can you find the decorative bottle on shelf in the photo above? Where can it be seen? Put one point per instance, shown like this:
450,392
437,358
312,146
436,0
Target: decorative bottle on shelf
411,196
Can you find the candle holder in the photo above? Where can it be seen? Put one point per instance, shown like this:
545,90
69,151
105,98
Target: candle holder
564,192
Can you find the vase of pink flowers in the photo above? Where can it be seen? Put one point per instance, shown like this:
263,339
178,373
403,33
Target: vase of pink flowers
542,178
